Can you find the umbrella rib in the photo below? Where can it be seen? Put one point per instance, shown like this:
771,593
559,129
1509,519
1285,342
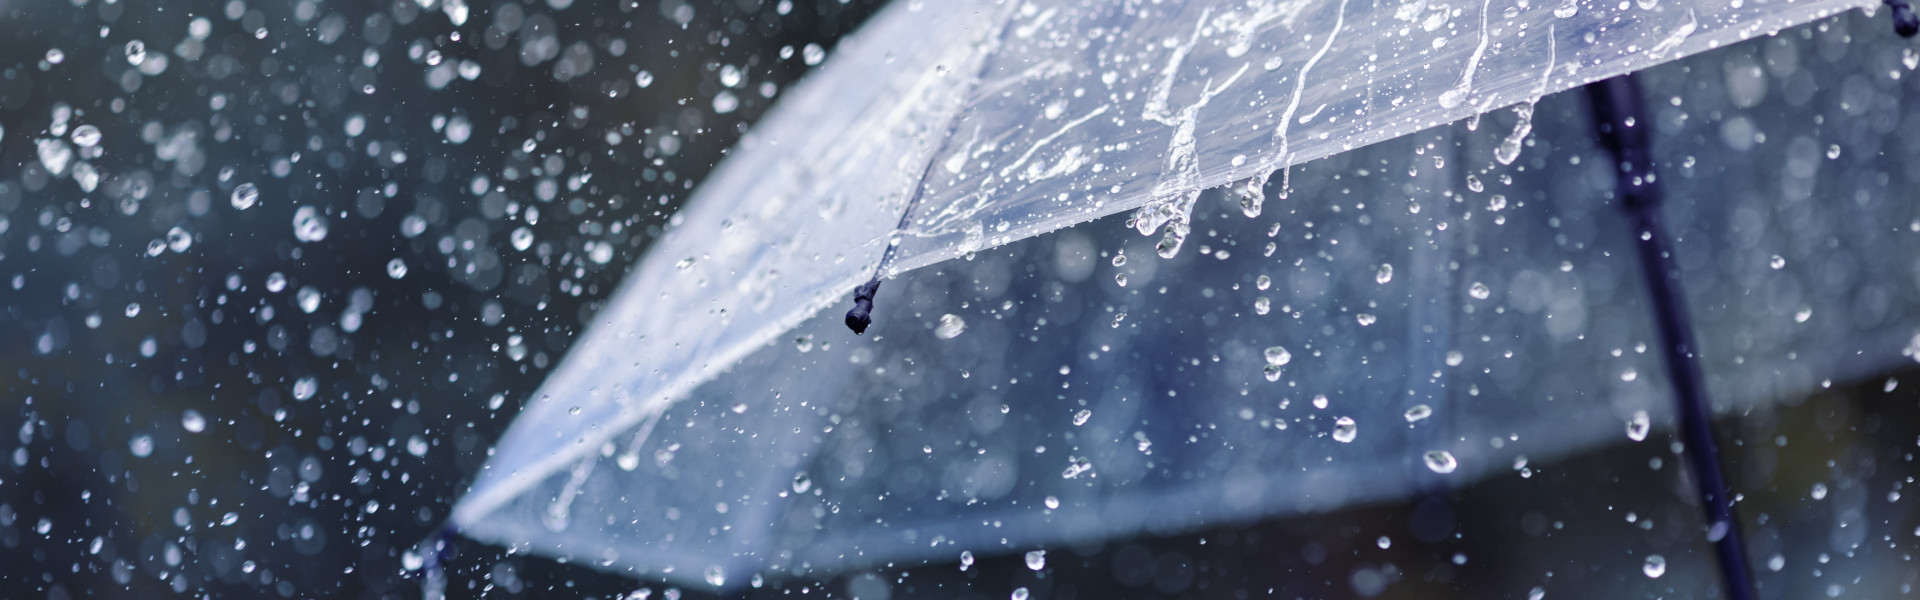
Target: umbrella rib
861,315
1617,107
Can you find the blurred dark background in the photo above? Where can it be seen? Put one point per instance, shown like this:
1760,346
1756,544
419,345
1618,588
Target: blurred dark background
282,399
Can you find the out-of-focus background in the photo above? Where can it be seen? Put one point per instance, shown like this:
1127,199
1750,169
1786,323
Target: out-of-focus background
276,274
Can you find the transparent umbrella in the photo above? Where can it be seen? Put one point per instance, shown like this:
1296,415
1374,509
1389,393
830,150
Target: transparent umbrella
1408,311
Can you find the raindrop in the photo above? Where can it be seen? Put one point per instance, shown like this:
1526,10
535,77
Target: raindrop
1120,279
1819,491
1384,542
1320,401
1441,461
136,52
1638,425
1801,316
725,102
1278,356
178,240
1509,149
141,445
244,196
308,298
1020,593
229,519
1418,412
56,56
1473,183
305,387
309,225
1344,430
802,483
1052,503
1120,259
1833,151
1497,203
739,408
966,559
715,576
643,79
813,54
192,421
1655,567
1263,282
1262,305
88,136
1080,418
1075,467
1479,291
1567,9
522,238
1454,358
951,326
1365,319
133,309
803,343
1384,275
1776,563
1778,262
1537,593
396,268
1037,560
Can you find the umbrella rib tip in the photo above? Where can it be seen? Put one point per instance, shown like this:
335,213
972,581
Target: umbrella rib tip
1905,22
861,315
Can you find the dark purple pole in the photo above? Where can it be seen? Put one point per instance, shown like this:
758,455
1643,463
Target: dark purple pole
1626,132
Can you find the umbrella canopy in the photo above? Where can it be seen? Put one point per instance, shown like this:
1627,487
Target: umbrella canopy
1050,400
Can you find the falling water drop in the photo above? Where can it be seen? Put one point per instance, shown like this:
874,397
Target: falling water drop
1637,426
951,326
136,52
1479,291
1080,418
192,421
1384,275
1020,593
716,577
1441,461
802,483
966,559
1418,413
1037,560
244,196
1344,430
1655,567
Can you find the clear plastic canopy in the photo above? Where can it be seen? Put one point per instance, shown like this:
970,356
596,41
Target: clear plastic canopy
1412,314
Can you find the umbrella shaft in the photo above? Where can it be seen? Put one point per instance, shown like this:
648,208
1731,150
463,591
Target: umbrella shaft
1626,132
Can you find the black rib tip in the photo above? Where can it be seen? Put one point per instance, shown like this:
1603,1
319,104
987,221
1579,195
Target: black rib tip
862,314
1905,22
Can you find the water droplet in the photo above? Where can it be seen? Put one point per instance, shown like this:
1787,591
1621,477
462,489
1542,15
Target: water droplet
951,326
1418,412
1454,358
1320,401
309,225
725,102
1263,282
522,238
1278,356
803,343
1537,593
1052,503
396,268
1364,319
1037,560
1801,316
1384,275
305,388
1441,461
1075,467
133,309
1778,262
1655,567
1120,259
1473,183
715,576
1776,563
813,54
1344,430
191,421
1819,491
1080,418
1384,542
802,483
1567,9
1262,305
1020,593
966,559
178,240
1638,425
88,136
229,519
1120,279
1509,149
643,79
1833,151
308,298
1497,203
244,196
628,461
56,56
136,52
1479,291
141,445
